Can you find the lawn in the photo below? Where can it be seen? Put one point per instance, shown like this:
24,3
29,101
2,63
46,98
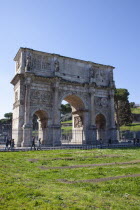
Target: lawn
70,179
135,110
69,121
132,127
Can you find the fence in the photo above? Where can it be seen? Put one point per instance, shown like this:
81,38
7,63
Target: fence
72,137
129,135
75,137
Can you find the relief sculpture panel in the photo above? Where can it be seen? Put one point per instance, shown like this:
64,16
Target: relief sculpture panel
39,97
78,122
101,102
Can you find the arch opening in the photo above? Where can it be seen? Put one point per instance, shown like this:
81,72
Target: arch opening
40,121
101,126
73,123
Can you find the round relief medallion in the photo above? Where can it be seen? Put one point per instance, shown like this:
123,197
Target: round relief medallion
104,102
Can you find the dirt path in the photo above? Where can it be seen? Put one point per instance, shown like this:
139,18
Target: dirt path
75,158
98,180
90,165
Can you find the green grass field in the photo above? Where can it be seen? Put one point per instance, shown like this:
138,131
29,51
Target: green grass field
66,128
69,121
132,127
135,110
29,181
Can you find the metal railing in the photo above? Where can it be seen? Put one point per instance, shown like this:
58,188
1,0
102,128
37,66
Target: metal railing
73,137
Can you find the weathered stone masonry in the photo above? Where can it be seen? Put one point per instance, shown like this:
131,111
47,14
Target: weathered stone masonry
43,80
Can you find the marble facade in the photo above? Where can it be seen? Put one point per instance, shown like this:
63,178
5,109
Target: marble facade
43,80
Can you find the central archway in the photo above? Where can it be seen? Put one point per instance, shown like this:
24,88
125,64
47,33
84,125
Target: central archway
75,135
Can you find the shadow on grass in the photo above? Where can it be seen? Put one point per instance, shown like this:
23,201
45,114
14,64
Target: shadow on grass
137,124
125,148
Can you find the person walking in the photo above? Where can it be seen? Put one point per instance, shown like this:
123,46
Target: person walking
12,144
101,143
109,142
134,141
137,141
39,144
33,143
6,143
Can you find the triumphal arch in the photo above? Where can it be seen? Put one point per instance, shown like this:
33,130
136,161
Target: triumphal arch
43,80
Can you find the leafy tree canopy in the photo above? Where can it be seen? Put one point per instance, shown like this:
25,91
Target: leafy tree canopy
65,108
8,115
7,119
121,94
132,104
122,107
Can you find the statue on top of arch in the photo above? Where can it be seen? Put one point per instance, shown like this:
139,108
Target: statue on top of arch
28,66
92,74
56,66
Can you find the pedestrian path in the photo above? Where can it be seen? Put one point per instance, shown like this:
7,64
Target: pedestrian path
104,146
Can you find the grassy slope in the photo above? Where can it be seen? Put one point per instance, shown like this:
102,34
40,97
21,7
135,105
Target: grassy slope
132,127
135,110
69,121
66,128
25,186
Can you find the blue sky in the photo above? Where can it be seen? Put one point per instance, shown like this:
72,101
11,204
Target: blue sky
102,31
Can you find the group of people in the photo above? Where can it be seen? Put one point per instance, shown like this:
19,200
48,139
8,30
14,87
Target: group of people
36,145
100,141
9,144
136,141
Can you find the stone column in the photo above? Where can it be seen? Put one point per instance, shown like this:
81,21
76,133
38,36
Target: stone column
112,109
55,107
22,66
56,117
92,128
40,131
113,127
78,127
44,130
92,108
27,127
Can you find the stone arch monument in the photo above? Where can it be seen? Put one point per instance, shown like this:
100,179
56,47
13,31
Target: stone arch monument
43,80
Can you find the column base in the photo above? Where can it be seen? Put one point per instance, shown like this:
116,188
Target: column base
27,135
91,137
18,144
56,135
113,135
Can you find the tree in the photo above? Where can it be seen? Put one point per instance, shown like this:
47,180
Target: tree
66,112
8,115
132,104
65,108
122,108
7,119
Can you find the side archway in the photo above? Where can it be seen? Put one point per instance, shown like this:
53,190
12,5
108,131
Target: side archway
101,126
40,122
